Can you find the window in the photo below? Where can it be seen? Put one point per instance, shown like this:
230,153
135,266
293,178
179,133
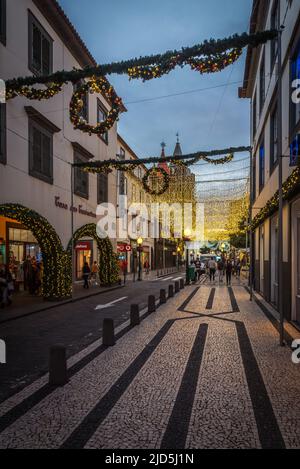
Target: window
275,24
133,193
295,151
40,48
254,115
254,180
122,183
274,139
262,84
122,154
3,21
81,178
295,75
84,112
40,152
101,117
3,133
102,188
261,166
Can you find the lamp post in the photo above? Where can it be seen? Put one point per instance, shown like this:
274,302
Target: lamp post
140,243
187,236
178,253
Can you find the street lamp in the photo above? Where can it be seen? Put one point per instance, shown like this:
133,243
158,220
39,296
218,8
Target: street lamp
178,254
140,243
187,237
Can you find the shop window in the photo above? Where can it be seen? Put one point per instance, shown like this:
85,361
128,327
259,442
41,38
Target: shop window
40,152
3,133
3,21
81,178
261,166
295,151
101,117
102,188
84,112
40,48
274,139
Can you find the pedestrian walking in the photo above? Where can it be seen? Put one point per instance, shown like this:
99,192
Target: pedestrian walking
95,273
198,268
86,271
229,268
212,265
221,270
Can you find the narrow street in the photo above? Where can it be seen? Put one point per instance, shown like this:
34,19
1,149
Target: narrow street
205,370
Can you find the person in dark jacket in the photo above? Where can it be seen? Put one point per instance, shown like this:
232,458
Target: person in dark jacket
86,271
229,268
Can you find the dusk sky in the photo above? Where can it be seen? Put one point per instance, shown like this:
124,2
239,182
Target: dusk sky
118,30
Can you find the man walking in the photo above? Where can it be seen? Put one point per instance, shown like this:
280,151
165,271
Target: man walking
212,265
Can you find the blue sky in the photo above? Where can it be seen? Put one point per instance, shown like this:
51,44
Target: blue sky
209,119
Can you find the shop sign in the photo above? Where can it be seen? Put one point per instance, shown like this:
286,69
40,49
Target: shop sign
83,246
124,248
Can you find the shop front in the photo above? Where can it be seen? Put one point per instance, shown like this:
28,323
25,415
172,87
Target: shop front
84,254
295,265
18,246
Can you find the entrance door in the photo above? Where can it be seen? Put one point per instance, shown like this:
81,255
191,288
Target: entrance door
261,257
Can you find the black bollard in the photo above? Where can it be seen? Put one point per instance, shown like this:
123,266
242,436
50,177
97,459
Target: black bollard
163,296
58,374
171,291
134,315
181,284
151,304
108,333
177,287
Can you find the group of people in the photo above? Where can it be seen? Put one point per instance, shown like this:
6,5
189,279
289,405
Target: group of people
28,274
90,275
225,267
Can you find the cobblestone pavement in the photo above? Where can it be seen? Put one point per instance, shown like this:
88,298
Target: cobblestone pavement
204,371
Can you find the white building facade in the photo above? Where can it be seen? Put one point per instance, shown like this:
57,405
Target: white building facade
260,85
38,142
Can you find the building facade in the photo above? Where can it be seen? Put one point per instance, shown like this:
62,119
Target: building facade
261,87
38,142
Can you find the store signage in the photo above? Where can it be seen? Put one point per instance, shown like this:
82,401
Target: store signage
83,246
74,209
124,248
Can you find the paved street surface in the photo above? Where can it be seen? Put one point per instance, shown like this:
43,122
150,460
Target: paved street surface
204,371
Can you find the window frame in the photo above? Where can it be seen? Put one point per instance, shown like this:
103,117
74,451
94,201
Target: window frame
254,114
274,111
33,172
275,15
262,90
101,107
3,143
80,158
33,21
262,168
100,178
3,22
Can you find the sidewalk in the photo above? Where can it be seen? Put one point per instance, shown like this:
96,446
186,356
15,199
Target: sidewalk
204,371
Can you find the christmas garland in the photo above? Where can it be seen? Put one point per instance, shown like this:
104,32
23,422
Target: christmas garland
100,86
158,173
291,187
209,57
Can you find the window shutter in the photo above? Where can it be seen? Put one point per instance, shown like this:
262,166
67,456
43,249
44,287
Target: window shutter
36,48
37,150
46,56
46,153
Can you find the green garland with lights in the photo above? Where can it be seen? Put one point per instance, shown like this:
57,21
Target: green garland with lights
158,173
291,187
57,283
108,262
209,57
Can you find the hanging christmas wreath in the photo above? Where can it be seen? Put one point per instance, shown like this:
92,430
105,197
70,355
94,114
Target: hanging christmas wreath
214,63
157,173
95,85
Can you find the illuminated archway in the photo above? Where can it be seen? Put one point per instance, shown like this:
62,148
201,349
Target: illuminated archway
56,262
108,263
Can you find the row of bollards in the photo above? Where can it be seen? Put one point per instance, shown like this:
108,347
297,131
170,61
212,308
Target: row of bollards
58,373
